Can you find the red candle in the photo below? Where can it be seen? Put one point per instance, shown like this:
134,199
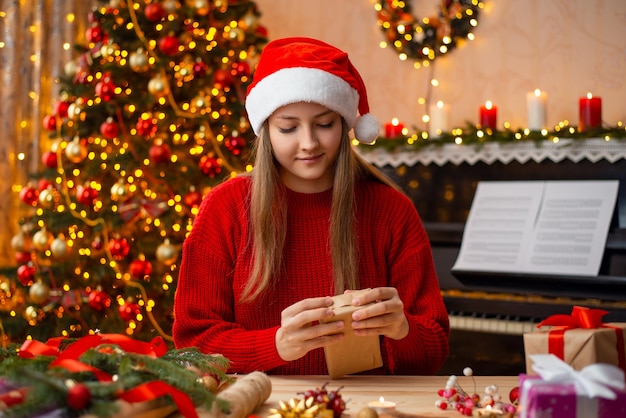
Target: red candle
488,116
589,113
393,128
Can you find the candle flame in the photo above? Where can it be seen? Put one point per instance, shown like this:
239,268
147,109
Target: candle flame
488,104
381,399
395,121
440,104
537,92
589,96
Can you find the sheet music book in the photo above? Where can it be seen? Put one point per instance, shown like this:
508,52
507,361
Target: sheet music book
540,227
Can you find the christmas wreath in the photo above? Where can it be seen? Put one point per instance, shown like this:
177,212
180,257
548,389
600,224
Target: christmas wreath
425,39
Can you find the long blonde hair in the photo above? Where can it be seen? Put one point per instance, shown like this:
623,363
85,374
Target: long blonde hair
268,214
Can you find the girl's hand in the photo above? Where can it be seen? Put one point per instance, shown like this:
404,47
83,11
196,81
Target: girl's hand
385,317
300,330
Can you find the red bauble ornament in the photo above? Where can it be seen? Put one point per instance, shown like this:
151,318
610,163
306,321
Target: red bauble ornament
43,184
49,159
105,89
235,144
109,128
154,12
60,108
119,248
210,166
78,397
160,153
222,78
49,122
95,34
140,268
193,199
514,395
23,257
129,311
241,68
169,45
26,274
86,195
146,127
29,195
99,300
261,31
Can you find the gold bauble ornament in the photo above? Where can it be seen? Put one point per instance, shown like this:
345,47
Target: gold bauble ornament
108,50
120,191
158,86
138,61
42,239
167,253
39,292
30,313
70,68
18,242
171,6
75,110
47,198
75,151
59,248
201,7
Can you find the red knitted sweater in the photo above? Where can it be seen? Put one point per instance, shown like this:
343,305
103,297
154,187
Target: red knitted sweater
393,251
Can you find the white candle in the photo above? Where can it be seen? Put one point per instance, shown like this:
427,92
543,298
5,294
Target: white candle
438,119
536,109
382,406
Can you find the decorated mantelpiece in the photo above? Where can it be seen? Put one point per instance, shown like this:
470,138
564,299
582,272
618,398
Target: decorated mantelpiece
111,375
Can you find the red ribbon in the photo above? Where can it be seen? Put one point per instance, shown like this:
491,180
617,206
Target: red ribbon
68,359
585,318
135,207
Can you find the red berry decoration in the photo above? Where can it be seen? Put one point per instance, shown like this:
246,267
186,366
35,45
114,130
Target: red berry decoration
99,300
331,400
235,144
514,395
49,159
146,127
109,129
49,122
26,274
210,166
154,12
160,153
140,268
129,311
86,195
29,195
169,45
78,397
119,248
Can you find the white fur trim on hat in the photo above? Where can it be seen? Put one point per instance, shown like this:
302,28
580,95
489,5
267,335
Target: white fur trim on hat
300,84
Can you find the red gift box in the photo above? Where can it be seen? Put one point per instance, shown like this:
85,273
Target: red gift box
562,392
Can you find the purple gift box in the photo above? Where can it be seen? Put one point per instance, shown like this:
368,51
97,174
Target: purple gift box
564,393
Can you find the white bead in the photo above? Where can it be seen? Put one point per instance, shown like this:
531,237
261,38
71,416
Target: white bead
468,371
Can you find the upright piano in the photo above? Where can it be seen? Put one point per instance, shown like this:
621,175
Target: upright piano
489,313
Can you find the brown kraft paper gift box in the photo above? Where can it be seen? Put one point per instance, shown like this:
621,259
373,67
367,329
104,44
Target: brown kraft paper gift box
353,354
578,346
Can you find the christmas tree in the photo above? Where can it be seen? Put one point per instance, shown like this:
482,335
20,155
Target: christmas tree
149,117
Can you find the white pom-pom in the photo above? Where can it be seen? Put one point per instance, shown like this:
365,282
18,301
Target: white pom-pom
468,371
366,128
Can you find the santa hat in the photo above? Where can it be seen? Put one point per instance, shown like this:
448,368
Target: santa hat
293,70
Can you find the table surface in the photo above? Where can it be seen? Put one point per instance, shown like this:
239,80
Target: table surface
415,396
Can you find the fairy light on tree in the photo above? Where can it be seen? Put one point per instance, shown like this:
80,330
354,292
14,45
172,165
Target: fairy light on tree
149,117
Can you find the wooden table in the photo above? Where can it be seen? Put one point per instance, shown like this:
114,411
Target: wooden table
414,395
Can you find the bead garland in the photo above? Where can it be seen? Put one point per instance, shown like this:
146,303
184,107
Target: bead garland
425,39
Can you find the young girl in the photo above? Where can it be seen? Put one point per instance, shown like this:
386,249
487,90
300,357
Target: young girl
268,249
